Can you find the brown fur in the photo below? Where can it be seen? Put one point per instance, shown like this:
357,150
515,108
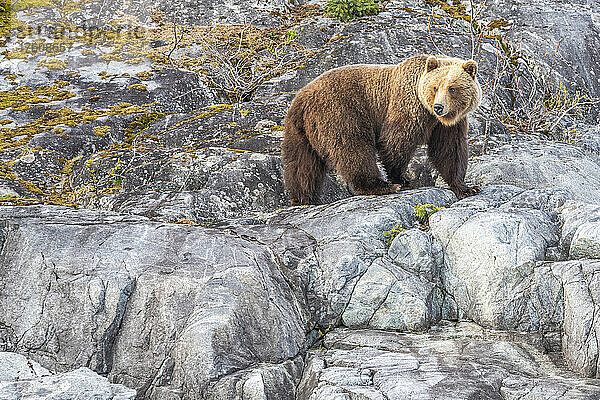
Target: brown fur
350,115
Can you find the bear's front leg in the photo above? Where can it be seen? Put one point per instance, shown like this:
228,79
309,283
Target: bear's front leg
448,152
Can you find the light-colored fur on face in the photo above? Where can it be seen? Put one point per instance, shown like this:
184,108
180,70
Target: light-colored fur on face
451,83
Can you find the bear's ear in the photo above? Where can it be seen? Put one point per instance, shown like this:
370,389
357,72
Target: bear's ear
431,64
471,67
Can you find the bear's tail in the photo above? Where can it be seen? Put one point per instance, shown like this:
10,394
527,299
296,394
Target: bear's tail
303,169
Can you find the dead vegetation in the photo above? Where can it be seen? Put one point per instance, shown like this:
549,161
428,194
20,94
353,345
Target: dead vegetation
520,94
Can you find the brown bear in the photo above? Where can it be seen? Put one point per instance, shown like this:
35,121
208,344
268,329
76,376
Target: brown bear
349,116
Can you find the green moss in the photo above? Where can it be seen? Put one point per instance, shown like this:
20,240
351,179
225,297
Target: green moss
392,233
68,165
456,10
6,172
9,200
53,64
53,119
424,211
141,125
144,75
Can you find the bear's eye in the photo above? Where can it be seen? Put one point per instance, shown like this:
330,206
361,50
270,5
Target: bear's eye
451,90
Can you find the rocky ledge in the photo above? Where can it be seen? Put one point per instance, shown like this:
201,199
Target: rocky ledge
179,311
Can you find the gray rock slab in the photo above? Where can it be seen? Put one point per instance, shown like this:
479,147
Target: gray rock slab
348,237
581,285
450,362
16,367
24,379
539,165
580,230
157,307
489,258
207,185
278,381
389,297
417,252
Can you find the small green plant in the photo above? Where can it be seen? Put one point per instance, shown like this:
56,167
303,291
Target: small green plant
424,211
348,10
392,233
324,332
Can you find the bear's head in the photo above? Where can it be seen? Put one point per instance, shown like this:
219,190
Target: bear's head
449,89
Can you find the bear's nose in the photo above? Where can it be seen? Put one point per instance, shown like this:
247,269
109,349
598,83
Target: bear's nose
438,109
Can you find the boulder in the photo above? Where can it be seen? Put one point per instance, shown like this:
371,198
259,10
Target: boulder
489,259
581,330
580,230
25,379
389,297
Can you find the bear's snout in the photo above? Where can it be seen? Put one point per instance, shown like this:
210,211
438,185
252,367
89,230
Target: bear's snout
438,109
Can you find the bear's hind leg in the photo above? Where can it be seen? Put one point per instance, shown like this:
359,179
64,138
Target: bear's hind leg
303,170
358,167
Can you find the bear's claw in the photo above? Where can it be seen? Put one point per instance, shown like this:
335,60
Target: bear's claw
467,191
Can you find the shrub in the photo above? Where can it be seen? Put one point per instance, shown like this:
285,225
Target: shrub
348,10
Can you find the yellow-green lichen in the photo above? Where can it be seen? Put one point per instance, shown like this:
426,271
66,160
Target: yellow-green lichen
20,99
390,235
455,10
138,86
102,130
144,75
141,125
53,64
498,23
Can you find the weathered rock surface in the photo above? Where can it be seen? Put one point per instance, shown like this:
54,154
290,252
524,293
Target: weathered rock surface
388,297
580,230
172,309
581,330
489,258
21,378
451,362
15,367
539,165
206,185
181,311
120,111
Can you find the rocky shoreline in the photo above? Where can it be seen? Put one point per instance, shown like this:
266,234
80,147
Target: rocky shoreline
147,250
